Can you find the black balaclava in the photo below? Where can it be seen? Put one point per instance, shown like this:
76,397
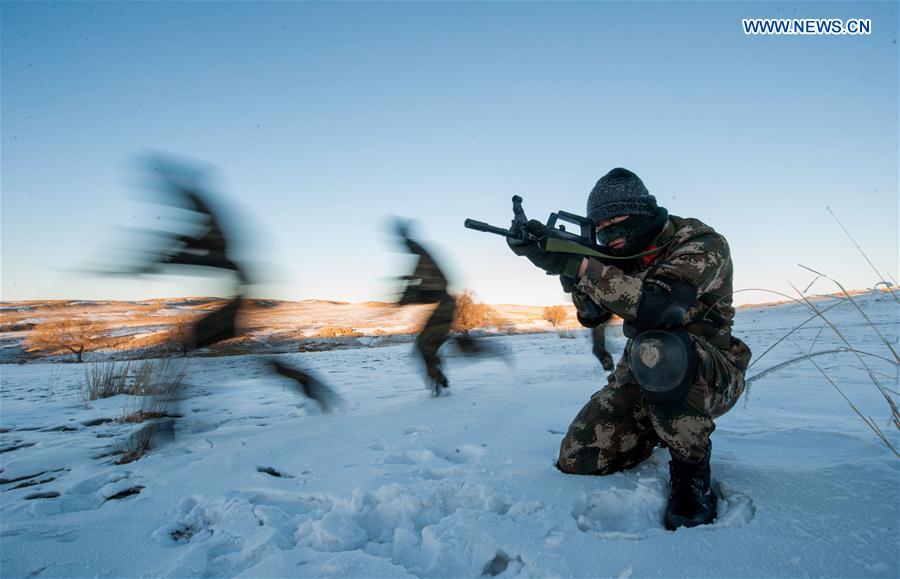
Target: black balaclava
639,231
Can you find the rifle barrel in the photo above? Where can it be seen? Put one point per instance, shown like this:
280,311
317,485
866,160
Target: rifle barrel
482,226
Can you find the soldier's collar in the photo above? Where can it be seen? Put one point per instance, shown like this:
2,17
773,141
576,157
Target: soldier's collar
666,235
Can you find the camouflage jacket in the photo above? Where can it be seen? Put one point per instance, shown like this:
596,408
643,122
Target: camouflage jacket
695,254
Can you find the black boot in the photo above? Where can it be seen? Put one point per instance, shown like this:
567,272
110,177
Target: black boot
607,361
438,379
692,501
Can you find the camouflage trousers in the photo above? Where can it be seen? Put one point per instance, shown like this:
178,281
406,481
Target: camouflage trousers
433,336
617,429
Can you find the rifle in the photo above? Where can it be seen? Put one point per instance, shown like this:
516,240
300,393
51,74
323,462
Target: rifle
559,239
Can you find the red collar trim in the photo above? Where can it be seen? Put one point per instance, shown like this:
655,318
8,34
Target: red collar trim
648,259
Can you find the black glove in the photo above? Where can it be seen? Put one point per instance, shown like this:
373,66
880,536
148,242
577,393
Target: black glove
525,246
553,263
567,283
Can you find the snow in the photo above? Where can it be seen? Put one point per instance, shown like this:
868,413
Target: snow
256,481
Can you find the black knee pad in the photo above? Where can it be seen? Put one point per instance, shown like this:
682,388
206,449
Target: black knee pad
664,363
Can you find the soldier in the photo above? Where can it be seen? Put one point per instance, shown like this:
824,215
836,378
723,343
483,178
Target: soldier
681,367
428,285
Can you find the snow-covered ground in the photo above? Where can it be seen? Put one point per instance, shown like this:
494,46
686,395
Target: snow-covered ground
255,481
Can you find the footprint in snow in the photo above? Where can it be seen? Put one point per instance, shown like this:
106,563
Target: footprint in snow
416,430
32,479
627,513
88,494
735,509
636,512
435,456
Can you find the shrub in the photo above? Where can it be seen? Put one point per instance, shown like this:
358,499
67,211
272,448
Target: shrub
556,315
336,332
471,314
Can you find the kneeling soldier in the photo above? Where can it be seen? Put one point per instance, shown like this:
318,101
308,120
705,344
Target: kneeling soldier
681,367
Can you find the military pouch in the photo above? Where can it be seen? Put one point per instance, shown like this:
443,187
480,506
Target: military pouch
664,364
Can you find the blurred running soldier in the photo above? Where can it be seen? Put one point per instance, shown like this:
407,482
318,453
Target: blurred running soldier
590,317
428,285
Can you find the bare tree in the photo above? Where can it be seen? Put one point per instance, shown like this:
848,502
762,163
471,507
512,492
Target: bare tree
556,315
73,335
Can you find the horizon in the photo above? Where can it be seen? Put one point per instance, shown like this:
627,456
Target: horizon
783,300
315,123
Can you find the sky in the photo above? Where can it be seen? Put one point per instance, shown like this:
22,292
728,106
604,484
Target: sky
318,122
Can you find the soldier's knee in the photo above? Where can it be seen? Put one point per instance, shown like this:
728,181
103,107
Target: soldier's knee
566,466
591,467
580,466
574,459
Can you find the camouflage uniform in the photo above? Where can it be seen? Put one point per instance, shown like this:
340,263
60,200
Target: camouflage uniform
427,285
617,428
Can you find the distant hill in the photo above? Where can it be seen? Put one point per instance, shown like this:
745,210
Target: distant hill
153,327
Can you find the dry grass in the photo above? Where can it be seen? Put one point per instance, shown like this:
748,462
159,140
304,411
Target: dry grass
136,378
808,355
336,332
861,355
53,381
102,380
138,416
161,382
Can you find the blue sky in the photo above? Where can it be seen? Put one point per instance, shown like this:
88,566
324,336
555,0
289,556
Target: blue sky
320,120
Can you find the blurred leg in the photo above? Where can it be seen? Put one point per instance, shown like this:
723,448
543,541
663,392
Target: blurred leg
433,336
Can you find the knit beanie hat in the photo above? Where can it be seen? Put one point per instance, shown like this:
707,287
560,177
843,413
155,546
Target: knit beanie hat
620,192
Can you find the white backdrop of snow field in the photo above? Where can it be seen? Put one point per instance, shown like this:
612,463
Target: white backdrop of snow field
403,484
